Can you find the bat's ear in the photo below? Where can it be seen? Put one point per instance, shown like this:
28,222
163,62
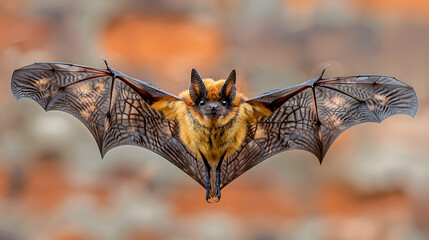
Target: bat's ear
197,89
228,89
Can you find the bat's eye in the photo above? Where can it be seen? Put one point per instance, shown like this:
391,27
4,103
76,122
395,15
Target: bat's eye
224,103
201,103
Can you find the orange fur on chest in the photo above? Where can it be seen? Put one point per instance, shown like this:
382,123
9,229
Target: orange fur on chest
213,137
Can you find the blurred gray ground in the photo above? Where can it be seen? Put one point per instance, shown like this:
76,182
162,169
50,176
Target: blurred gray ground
373,183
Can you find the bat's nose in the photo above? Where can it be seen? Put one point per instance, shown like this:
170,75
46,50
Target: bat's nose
213,106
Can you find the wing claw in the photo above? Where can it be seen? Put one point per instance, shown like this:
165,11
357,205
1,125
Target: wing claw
323,71
112,71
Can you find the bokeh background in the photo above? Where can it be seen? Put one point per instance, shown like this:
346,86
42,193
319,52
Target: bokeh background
373,184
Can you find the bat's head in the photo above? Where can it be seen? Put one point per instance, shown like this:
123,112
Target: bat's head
212,99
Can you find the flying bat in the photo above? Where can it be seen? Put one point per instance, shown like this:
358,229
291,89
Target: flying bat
211,131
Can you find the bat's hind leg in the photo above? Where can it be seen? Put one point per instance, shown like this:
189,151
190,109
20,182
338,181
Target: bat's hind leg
212,180
208,178
218,170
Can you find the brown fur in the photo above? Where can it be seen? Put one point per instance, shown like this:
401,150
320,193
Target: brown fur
212,136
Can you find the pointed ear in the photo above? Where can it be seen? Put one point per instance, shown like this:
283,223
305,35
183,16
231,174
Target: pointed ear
228,89
197,89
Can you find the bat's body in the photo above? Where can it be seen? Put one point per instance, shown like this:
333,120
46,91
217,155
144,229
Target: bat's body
211,136
210,131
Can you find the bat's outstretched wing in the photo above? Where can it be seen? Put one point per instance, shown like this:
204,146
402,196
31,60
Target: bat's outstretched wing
311,115
114,107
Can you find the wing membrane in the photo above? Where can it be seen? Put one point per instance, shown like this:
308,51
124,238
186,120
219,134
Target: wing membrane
311,115
114,107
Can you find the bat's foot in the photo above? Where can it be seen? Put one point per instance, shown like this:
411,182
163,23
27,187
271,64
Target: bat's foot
213,199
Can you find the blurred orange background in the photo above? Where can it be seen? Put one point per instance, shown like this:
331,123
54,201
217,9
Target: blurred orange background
373,184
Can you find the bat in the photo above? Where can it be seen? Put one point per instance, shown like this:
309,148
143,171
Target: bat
211,131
